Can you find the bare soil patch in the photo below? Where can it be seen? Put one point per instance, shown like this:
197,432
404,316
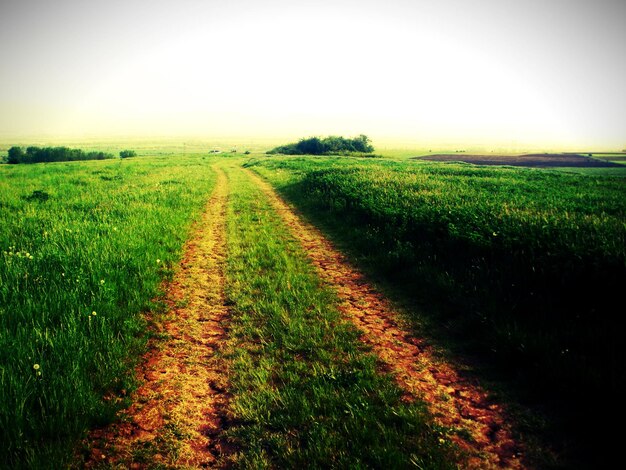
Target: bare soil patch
455,400
530,160
179,410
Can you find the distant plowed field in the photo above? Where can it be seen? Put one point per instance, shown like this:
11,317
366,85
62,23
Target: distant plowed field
534,160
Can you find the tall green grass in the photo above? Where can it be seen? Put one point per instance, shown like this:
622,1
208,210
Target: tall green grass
305,392
526,266
83,248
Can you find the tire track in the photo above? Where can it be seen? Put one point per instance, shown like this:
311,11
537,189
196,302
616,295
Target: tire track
178,412
455,401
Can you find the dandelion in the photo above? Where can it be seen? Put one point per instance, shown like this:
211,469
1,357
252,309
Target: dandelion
101,281
36,366
94,313
158,261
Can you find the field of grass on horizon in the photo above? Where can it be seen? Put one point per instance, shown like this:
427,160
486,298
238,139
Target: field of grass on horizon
399,148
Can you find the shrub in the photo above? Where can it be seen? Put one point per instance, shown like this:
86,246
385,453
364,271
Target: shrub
128,153
16,155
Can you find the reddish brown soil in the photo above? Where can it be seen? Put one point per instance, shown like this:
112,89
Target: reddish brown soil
533,160
179,409
455,400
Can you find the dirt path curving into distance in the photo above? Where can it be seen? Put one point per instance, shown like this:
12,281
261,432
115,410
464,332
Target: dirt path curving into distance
179,410
454,400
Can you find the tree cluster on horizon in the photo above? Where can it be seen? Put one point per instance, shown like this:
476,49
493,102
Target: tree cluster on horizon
332,145
52,154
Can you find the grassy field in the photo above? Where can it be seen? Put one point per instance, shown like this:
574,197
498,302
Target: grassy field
615,157
523,266
83,249
520,266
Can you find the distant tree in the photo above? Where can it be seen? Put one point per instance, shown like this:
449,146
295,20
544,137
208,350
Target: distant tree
32,154
312,146
128,153
15,155
363,144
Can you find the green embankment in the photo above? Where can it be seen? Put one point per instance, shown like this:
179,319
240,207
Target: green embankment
305,393
526,266
83,248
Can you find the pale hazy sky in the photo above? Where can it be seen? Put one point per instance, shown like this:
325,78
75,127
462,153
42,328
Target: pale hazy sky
547,72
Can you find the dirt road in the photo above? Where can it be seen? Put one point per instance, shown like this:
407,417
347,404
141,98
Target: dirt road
177,412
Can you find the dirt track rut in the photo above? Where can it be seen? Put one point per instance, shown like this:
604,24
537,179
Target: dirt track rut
455,401
178,412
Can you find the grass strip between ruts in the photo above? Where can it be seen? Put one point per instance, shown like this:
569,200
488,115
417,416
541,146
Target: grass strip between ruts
305,390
